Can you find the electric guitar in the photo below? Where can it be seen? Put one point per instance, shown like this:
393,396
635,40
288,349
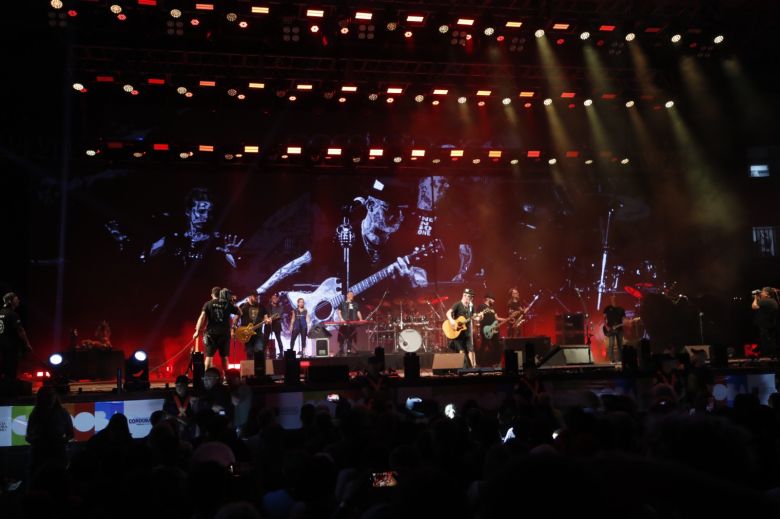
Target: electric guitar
325,300
518,316
612,331
244,333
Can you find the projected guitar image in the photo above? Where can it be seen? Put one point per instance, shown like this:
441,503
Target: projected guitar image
325,300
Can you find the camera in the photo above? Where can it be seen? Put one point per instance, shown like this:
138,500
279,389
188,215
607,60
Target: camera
755,292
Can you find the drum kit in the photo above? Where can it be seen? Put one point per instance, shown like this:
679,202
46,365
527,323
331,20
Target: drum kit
402,328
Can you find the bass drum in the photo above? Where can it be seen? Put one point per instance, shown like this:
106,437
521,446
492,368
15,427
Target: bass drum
410,340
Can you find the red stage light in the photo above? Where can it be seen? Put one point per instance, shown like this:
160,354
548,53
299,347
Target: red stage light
194,22
500,38
560,41
534,154
607,28
207,83
121,17
527,105
481,103
160,147
73,13
104,79
568,95
147,2
243,24
156,81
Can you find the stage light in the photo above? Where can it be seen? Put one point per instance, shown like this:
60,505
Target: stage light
328,94
344,30
78,86
514,162
552,161
415,18
444,29
484,93
539,33
257,85
547,102
534,154
314,28
356,160
342,99
584,35
231,17
391,26
175,13
294,150
676,38
73,13
718,39
138,154
334,152
408,34
440,91
436,161
630,36
495,154
481,103
389,100
476,161
293,98
260,9
395,90
232,92
461,100
228,156
526,93
376,152
589,162
507,101
418,153
435,102
625,161
251,149
137,372
128,88
456,153
669,104
304,86
514,25
315,13
568,95
349,88
373,96
184,155
560,41
500,38
607,28
205,147
56,4
56,359
419,98
194,22
397,160
465,21
629,104
588,102
363,15
527,105
116,8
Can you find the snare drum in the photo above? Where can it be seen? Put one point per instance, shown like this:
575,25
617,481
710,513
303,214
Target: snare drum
410,340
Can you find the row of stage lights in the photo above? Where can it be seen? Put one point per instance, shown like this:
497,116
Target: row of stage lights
391,94
460,29
335,154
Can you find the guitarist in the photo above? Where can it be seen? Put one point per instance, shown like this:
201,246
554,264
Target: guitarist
252,314
489,346
614,316
514,306
465,341
273,324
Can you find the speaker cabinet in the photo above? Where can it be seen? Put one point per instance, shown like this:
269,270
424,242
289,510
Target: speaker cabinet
570,355
248,368
570,329
447,361
411,366
321,346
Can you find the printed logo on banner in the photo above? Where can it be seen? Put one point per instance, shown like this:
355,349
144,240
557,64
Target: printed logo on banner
104,411
138,413
5,426
19,416
83,416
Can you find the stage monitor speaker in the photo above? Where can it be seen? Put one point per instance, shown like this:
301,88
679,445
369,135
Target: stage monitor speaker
321,347
568,355
411,366
334,374
532,347
691,350
248,368
570,329
447,361
379,355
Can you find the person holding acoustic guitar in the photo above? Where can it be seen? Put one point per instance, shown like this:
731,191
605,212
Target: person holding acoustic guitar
459,319
614,317
299,325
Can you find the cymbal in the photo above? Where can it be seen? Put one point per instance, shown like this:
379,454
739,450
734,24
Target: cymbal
439,300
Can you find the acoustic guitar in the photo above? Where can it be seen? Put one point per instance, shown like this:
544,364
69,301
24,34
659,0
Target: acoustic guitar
461,323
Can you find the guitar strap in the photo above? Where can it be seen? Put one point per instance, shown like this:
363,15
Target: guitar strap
181,406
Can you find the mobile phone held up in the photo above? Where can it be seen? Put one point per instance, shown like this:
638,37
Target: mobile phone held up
384,479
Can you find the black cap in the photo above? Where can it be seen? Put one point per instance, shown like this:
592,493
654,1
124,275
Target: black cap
182,379
468,291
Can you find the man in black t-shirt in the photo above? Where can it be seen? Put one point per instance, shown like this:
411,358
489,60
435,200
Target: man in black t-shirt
464,342
216,313
13,339
253,313
490,347
348,311
613,328
766,307
273,323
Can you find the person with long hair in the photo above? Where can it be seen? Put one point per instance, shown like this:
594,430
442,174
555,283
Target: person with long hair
49,429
